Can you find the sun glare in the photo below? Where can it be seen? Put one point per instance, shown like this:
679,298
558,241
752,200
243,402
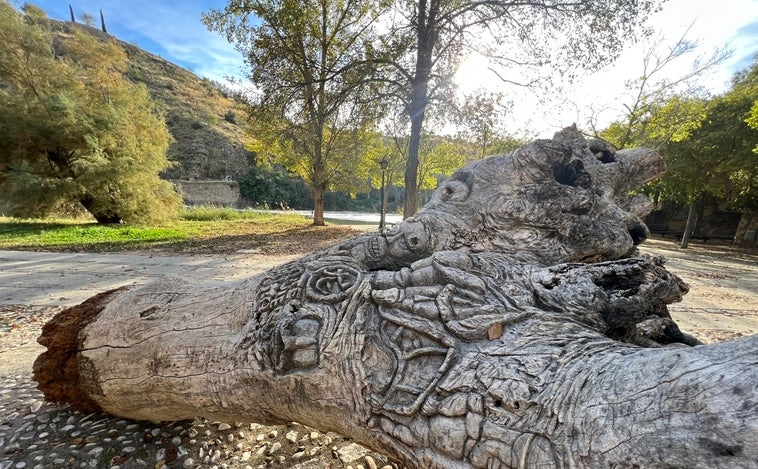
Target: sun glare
473,73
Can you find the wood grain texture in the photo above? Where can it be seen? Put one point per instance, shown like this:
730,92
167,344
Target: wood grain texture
510,323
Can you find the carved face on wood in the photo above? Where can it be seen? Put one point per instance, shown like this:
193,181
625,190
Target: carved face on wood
560,200
557,200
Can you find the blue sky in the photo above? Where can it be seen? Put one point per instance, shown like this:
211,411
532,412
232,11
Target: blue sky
169,28
173,30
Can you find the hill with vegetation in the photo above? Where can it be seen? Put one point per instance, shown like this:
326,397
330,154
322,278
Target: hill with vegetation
202,117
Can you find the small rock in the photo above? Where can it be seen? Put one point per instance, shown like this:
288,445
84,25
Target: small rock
291,436
96,451
189,463
230,438
260,437
273,434
370,462
275,447
246,456
351,452
315,435
224,426
298,456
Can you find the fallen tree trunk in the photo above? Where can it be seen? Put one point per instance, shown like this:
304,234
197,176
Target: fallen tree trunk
511,323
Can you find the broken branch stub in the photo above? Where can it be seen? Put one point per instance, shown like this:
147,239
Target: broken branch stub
511,323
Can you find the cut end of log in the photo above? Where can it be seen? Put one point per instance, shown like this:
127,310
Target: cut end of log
57,370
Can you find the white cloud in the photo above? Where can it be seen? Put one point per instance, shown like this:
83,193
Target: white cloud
172,29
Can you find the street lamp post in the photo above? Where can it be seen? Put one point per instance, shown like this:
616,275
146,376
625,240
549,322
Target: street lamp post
384,163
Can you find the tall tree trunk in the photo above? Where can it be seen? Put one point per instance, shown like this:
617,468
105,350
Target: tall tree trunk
690,227
411,169
318,206
426,37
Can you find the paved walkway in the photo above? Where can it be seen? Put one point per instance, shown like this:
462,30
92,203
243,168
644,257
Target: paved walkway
65,279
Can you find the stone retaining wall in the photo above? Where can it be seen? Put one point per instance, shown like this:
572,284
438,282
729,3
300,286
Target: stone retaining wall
216,193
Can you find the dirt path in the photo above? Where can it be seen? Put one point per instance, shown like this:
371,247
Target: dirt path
722,302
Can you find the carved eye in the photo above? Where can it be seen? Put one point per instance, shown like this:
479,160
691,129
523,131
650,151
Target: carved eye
454,191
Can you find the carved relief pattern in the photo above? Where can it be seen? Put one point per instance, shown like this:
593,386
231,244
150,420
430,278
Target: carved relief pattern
510,323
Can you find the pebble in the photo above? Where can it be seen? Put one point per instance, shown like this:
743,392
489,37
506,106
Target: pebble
291,436
39,435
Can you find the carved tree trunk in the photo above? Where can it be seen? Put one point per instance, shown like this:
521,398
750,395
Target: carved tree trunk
511,323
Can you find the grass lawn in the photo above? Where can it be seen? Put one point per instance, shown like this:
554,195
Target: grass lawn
196,231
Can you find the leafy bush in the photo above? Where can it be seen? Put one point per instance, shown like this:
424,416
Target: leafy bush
262,187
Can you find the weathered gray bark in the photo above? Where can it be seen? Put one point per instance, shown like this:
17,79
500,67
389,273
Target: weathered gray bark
510,323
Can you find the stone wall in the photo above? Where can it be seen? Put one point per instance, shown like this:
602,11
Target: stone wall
747,231
216,193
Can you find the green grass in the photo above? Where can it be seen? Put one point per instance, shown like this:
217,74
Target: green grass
192,225
15,233
215,214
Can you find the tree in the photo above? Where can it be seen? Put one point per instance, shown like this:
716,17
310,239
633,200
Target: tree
717,158
273,188
308,68
73,130
708,146
479,118
510,323
428,37
659,107
664,110
439,157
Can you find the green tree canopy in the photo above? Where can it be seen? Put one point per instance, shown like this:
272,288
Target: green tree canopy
73,130
307,64
717,159
708,146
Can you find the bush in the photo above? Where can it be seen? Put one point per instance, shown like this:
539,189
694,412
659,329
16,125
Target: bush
230,117
262,187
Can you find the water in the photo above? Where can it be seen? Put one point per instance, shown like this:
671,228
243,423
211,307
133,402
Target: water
348,218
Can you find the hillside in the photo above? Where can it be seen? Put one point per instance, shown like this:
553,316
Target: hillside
208,140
